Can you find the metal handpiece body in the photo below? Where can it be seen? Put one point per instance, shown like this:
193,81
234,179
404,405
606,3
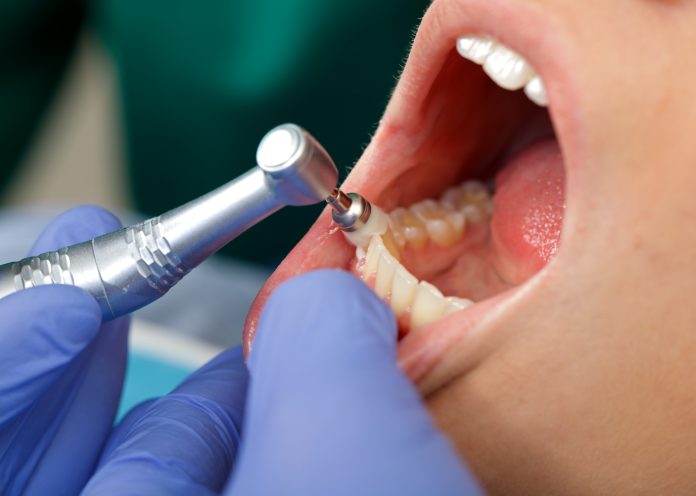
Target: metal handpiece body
130,268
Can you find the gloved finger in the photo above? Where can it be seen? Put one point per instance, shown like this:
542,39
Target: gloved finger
82,402
74,226
326,388
183,443
44,328
41,331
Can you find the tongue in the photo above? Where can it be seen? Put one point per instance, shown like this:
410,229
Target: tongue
528,211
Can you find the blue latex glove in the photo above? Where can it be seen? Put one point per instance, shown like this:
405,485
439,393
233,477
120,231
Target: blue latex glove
328,412
61,374
183,443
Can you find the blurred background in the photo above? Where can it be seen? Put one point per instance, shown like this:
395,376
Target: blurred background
141,106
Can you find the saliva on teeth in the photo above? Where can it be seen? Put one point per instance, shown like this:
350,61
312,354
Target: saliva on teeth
381,237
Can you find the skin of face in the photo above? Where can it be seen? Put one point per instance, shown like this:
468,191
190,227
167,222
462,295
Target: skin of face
589,386
583,381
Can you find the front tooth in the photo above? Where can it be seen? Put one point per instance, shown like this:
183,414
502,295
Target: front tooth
455,304
428,305
475,48
385,273
507,68
403,290
536,91
372,257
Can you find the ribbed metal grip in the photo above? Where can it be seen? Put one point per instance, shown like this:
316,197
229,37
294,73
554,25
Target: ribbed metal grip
130,268
153,255
49,268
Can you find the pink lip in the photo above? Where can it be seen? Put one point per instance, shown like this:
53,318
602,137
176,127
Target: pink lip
526,29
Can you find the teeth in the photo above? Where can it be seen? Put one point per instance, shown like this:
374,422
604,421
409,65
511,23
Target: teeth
434,218
474,213
403,290
536,91
457,221
475,192
507,68
374,249
455,304
385,273
421,302
409,228
474,48
428,305
443,222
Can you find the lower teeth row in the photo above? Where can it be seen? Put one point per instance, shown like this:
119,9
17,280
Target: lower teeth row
443,222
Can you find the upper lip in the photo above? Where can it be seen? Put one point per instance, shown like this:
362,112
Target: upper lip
523,26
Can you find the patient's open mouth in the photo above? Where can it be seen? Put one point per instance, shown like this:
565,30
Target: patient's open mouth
468,164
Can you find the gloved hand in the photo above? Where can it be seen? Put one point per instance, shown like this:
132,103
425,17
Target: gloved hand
181,444
328,412
61,374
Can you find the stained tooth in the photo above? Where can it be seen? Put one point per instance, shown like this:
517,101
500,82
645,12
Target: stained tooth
411,227
452,199
508,69
385,273
475,191
536,91
433,216
403,290
428,305
475,48
391,244
441,232
475,213
372,257
455,304
457,220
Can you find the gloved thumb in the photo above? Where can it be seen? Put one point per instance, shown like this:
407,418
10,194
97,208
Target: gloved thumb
44,328
327,399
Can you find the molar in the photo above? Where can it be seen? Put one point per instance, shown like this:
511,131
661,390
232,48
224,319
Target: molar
408,228
433,217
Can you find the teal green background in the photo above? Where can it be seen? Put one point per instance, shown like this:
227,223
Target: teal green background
201,82
149,377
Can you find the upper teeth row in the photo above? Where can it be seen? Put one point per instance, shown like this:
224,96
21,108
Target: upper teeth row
504,66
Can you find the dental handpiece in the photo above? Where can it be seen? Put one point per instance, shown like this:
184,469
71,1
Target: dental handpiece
356,217
128,269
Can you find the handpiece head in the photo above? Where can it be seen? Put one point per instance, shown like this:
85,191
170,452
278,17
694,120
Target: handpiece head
300,171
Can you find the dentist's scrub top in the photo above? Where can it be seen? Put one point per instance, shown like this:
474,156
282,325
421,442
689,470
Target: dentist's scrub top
200,82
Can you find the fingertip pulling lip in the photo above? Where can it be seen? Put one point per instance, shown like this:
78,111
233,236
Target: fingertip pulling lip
532,32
